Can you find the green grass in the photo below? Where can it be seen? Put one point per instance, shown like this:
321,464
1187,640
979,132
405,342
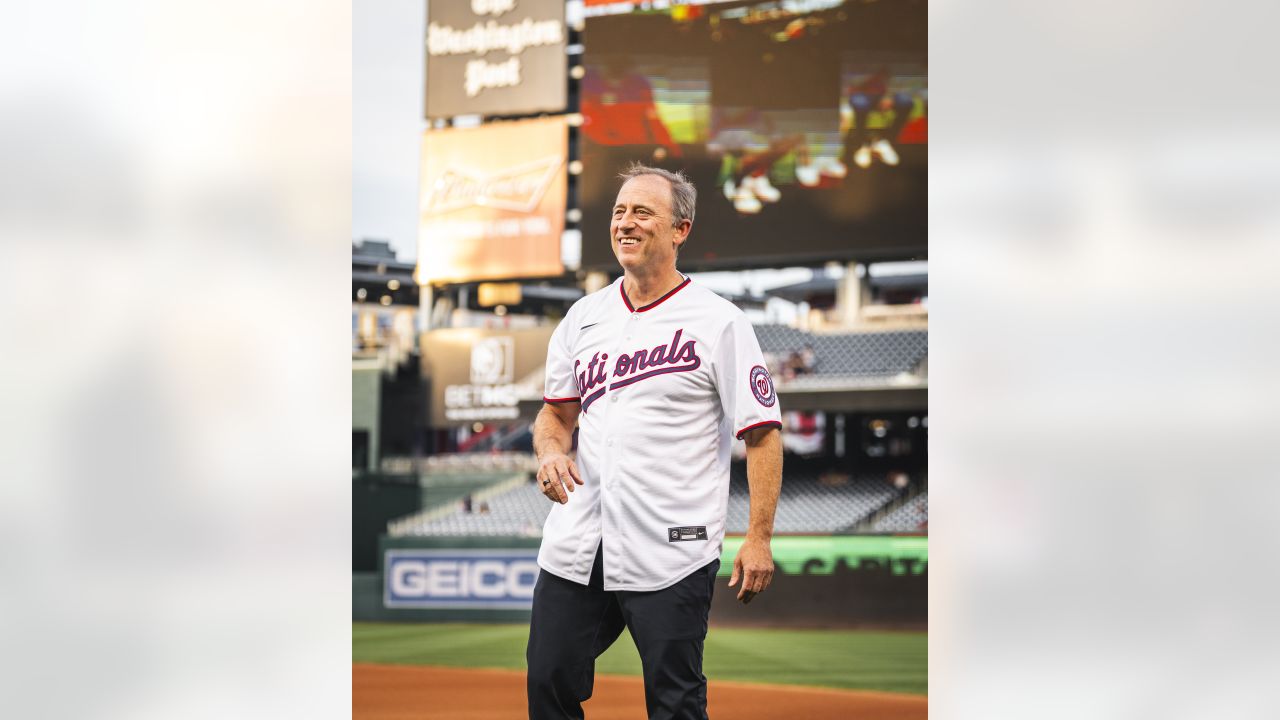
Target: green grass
846,659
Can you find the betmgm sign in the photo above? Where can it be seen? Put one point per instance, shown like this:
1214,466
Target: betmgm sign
491,394
495,57
480,375
475,579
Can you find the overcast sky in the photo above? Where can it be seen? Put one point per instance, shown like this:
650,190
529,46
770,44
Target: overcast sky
387,48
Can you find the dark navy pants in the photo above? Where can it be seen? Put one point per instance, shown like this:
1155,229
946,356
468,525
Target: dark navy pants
573,624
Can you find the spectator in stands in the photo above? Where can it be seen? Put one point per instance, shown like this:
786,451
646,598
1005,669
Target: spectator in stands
793,366
808,359
773,363
799,362
466,503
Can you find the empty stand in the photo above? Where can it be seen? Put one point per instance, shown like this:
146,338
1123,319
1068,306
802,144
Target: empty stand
806,505
867,355
516,507
910,517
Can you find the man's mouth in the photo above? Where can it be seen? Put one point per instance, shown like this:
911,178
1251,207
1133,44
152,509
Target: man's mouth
625,241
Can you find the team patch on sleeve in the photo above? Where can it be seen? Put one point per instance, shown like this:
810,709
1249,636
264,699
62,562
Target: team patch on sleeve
762,386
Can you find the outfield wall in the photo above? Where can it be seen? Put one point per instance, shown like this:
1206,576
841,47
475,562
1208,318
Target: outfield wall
821,581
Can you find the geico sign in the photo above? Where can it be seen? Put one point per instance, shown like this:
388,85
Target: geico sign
460,578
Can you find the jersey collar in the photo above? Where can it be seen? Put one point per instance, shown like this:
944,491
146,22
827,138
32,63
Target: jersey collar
622,288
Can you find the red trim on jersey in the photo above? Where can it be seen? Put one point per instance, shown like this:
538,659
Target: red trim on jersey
560,400
622,286
744,430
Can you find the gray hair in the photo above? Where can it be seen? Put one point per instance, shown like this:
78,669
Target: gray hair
683,194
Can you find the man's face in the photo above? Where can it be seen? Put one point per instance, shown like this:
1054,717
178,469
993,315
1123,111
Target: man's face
643,237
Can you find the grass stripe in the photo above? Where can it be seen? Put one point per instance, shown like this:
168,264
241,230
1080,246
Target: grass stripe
845,659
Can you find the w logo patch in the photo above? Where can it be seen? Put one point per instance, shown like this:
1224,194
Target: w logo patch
762,386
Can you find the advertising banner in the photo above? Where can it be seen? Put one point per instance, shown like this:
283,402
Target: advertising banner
822,554
460,578
492,201
481,375
819,581
495,57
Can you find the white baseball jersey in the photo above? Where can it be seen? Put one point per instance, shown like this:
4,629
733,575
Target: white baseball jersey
664,390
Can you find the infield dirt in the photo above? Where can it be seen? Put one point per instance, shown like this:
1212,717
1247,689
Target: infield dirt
396,692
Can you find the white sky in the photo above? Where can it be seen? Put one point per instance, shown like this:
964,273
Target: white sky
387,48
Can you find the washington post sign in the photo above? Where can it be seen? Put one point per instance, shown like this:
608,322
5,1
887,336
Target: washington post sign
495,57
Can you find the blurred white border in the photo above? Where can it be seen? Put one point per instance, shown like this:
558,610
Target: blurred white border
1103,215
176,222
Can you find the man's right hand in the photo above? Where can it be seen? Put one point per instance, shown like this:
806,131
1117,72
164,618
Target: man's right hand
556,472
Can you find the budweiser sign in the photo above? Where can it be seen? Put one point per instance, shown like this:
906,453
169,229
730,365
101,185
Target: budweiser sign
519,188
492,201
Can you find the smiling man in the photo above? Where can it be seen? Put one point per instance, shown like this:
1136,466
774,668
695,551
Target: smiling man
661,376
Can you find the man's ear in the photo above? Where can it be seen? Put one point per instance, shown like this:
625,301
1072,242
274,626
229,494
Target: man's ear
682,232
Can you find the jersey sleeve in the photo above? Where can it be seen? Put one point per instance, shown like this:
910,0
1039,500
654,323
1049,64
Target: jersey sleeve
560,385
746,390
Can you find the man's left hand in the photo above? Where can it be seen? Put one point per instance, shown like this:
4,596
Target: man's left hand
754,566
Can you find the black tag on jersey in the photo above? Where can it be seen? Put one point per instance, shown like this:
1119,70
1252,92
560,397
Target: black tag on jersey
682,534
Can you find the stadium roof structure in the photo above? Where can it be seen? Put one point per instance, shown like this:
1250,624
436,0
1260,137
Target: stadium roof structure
743,300
907,396
801,291
378,257
823,285
374,266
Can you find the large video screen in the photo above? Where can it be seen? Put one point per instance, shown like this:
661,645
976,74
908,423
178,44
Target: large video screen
804,125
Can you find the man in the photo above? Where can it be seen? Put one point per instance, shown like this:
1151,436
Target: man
618,108
661,375
860,142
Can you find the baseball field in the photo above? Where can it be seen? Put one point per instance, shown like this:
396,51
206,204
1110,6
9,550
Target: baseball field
403,670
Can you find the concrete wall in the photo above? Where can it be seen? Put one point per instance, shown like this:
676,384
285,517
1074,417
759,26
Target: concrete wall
366,399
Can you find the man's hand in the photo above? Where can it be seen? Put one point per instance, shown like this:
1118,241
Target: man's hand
754,565
556,472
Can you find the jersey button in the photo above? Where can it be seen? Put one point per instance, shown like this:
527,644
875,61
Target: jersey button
613,398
